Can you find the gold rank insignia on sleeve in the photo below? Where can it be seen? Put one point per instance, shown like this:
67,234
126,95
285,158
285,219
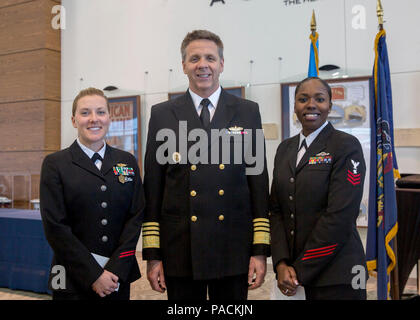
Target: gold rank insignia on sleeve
151,235
261,231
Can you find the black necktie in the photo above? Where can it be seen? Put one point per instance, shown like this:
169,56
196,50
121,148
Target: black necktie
303,145
205,113
95,157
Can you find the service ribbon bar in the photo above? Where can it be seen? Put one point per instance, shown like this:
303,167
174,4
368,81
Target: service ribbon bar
320,160
124,171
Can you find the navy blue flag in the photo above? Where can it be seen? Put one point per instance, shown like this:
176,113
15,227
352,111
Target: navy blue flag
382,222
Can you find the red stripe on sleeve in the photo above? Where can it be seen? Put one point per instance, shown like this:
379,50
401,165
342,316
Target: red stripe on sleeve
317,256
322,248
127,252
319,252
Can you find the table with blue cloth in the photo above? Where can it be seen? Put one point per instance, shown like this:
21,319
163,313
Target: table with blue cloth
25,255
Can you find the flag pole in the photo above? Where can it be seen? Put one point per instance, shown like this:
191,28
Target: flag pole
313,23
313,53
380,14
395,291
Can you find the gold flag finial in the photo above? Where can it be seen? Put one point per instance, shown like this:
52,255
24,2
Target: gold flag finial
380,14
313,22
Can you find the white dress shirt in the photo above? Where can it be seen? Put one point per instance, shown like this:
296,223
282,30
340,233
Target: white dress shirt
90,153
214,99
309,139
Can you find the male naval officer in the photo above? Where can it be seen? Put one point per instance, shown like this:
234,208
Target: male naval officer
206,227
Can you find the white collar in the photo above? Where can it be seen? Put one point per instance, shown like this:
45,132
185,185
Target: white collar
90,152
312,136
214,98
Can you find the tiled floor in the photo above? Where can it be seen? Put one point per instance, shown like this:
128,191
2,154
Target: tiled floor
140,289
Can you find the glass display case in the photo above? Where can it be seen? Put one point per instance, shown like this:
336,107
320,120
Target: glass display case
19,190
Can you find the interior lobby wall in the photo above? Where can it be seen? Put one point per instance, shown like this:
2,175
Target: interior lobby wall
134,45
30,95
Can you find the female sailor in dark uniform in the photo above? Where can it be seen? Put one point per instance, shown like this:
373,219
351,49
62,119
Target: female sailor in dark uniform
315,199
91,199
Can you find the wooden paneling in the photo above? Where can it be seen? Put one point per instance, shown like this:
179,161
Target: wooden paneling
30,94
35,179
52,84
22,27
22,126
27,26
53,36
30,75
8,3
30,126
52,125
22,161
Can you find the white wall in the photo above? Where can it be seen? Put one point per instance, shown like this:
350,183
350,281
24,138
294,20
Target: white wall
115,42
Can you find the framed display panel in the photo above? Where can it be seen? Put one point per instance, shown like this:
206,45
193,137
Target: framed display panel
236,91
350,113
125,129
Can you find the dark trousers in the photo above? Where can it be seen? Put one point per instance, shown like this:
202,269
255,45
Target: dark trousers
227,288
123,293
337,292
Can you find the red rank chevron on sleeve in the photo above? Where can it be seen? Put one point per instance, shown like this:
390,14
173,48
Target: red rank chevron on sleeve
354,179
319,252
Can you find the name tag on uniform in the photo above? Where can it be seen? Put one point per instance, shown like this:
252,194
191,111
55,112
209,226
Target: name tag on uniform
123,172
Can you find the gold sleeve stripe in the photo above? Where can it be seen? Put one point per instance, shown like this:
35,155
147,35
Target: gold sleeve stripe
261,220
151,228
261,229
260,224
151,242
150,233
261,238
151,224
